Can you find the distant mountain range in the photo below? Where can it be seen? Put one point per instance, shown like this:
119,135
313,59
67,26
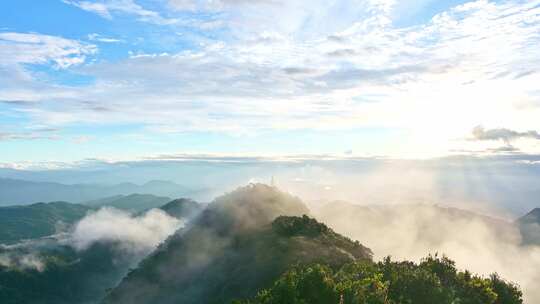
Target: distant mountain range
17,192
133,202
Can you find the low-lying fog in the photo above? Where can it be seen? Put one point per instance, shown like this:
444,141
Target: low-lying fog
133,237
480,244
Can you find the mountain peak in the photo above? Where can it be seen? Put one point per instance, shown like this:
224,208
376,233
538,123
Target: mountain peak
532,217
241,242
251,207
182,208
204,266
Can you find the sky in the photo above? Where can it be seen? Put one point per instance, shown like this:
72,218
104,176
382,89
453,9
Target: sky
130,79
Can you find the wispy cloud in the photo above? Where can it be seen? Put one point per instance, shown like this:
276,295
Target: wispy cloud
30,135
31,48
506,135
100,38
94,7
107,9
218,5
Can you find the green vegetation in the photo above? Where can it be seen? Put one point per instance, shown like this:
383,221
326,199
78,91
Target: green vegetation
51,271
234,266
37,220
63,275
433,280
44,219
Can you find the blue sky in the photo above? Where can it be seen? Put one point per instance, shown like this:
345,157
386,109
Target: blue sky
125,79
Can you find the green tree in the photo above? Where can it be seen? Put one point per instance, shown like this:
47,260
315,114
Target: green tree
434,280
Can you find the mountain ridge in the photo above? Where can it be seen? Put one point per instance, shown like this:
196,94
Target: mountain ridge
529,226
238,244
19,192
134,202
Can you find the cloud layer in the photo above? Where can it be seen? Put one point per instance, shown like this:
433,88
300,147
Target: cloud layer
321,65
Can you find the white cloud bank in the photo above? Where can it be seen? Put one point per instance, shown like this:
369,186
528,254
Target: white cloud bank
134,233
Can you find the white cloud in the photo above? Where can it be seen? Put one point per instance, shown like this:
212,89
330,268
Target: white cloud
529,162
97,8
100,38
31,48
134,233
316,66
21,261
217,5
107,8
506,135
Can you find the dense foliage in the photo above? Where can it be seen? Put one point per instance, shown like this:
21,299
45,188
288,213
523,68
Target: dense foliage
433,280
62,275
